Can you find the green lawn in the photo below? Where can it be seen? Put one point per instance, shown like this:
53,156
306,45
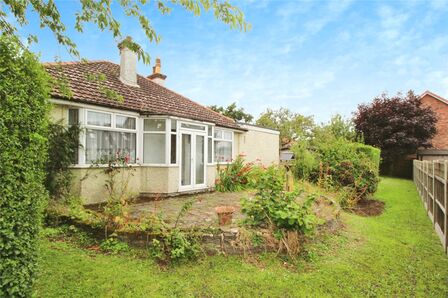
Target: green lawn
395,254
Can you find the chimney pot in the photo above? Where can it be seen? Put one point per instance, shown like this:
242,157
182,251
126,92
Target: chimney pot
157,76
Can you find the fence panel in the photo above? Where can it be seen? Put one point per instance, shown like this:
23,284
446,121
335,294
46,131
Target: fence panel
431,180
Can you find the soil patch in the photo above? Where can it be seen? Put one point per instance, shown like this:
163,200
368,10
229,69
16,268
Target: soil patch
369,208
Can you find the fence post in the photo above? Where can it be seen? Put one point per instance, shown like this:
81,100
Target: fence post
445,202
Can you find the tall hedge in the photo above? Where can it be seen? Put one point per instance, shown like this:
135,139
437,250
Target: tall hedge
23,123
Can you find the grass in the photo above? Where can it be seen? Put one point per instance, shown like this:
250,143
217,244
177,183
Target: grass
395,254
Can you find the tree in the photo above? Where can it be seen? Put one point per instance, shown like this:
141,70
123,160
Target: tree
292,126
238,114
398,125
101,14
337,128
23,145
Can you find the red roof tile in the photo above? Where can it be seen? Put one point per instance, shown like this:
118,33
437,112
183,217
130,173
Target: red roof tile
148,99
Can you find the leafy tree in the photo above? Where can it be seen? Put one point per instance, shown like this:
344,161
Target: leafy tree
292,126
238,114
399,125
102,15
336,128
23,147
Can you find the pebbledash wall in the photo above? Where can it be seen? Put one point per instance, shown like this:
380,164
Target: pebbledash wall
257,144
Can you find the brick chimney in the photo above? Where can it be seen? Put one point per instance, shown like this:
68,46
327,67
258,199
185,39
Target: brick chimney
156,76
128,63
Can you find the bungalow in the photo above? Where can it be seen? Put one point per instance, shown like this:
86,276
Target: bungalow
174,142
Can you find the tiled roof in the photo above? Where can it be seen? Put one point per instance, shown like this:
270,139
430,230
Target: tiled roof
148,99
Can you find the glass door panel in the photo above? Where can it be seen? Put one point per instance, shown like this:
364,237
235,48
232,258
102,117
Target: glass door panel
186,157
200,159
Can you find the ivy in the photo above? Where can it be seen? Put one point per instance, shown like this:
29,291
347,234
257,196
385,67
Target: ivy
23,123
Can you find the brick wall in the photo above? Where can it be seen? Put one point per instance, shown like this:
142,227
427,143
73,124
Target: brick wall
440,141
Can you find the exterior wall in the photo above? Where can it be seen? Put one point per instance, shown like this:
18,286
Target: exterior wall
259,144
89,183
440,141
58,113
211,175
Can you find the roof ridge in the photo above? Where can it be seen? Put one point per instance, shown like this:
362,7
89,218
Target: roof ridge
55,63
192,101
436,96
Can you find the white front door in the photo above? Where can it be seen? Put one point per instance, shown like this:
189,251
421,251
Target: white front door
192,160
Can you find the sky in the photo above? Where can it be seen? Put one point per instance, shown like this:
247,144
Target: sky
314,57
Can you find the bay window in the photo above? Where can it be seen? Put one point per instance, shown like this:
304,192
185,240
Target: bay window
223,145
109,134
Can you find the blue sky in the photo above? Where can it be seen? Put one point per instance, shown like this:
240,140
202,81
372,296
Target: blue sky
314,57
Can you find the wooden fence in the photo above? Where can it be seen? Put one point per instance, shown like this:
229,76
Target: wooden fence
431,179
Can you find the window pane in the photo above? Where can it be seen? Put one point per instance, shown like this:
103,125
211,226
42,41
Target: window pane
154,148
218,133
98,119
173,125
102,145
227,135
154,125
125,122
126,145
223,151
210,150
186,160
192,126
73,116
173,148
200,159
210,130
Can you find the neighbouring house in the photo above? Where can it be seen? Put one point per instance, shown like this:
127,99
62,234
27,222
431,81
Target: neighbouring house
175,143
439,149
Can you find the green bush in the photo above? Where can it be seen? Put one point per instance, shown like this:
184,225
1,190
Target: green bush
23,151
272,206
339,163
63,143
235,176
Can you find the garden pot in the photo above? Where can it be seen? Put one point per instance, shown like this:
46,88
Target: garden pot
225,214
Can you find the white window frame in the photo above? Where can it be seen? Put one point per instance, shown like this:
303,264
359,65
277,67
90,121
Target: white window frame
193,132
83,137
167,133
211,137
232,142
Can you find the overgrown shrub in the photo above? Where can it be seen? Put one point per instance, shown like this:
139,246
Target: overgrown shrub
273,206
23,151
235,176
339,163
63,144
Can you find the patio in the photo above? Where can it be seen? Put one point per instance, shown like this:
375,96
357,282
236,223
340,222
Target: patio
202,214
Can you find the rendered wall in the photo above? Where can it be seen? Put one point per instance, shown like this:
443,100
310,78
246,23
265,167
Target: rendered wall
259,145
89,184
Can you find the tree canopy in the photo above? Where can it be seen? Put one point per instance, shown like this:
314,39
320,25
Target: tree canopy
398,125
101,14
231,111
292,126
337,128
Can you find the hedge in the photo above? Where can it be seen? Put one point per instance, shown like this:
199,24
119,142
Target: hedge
23,123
